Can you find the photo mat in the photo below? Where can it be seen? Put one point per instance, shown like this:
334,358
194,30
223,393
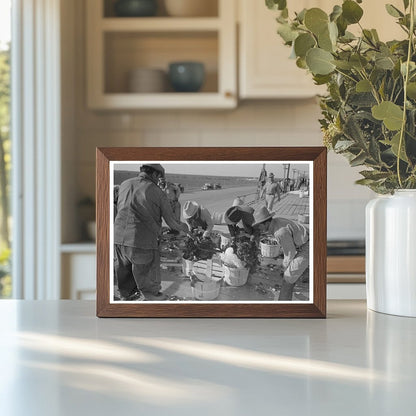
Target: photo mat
215,187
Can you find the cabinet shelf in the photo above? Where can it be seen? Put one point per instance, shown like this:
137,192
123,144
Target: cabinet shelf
160,24
118,46
198,100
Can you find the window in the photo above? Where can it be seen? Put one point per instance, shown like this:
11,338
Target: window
5,147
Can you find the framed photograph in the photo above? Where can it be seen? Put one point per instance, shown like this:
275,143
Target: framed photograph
211,232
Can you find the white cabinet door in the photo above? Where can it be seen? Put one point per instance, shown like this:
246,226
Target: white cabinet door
265,68
78,276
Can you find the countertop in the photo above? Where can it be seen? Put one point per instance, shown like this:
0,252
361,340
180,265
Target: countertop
57,358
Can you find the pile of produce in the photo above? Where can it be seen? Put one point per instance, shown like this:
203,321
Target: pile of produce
242,253
198,248
269,241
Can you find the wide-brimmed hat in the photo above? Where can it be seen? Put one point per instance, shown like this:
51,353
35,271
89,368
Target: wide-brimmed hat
262,215
156,166
232,215
237,201
271,175
190,209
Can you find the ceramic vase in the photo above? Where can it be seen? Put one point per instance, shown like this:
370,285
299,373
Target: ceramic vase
391,253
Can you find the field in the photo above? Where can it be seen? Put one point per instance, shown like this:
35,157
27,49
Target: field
193,182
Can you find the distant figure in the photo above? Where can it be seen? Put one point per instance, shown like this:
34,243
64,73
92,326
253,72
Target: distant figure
271,190
294,240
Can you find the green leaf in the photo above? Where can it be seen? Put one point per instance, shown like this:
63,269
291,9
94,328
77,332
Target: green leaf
374,175
351,11
375,35
391,114
336,12
406,4
393,11
287,33
347,37
303,43
363,86
344,65
301,63
359,160
394,143
316,20
301,15
321,79
384,62
342,25
319,61
276,4
411,90
325,42
358,61
343,145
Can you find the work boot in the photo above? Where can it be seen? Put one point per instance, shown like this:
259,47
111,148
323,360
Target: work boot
136,296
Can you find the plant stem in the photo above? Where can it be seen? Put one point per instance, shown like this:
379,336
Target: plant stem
405,81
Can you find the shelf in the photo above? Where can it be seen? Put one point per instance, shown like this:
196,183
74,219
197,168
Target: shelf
160,24
81,247
164,100
116,46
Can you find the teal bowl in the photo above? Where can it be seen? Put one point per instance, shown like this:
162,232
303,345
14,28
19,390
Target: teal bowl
186,76
135,8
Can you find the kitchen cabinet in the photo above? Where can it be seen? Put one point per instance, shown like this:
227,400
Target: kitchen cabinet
265,70
118,45
78,264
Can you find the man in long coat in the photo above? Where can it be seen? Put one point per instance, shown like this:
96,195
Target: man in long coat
140,209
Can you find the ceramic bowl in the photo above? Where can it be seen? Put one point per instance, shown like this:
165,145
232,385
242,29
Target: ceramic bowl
135,8
147,80
186,76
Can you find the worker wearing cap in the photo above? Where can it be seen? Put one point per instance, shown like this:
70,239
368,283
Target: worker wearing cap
140,209
271,190
294,240
196,216
173,193
239,215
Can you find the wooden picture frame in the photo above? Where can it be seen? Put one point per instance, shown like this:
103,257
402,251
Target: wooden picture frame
308,304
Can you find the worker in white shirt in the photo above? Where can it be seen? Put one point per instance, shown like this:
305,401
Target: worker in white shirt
271,190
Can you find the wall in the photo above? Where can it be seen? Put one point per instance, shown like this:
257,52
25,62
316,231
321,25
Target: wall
253,123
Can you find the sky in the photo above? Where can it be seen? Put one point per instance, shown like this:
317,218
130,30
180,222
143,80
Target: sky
5,20
245,169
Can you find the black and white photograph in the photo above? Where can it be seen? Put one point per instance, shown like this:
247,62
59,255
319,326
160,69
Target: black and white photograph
198,231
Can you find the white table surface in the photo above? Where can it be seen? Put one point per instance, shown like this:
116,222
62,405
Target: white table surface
57,358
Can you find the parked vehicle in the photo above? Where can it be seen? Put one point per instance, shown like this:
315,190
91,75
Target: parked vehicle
217,186
207,186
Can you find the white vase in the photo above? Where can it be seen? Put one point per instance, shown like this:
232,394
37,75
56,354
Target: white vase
391,253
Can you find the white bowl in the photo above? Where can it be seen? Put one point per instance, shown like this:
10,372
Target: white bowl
147,80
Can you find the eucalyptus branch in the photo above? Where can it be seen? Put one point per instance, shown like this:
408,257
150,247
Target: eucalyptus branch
346,75
373,88
406,79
